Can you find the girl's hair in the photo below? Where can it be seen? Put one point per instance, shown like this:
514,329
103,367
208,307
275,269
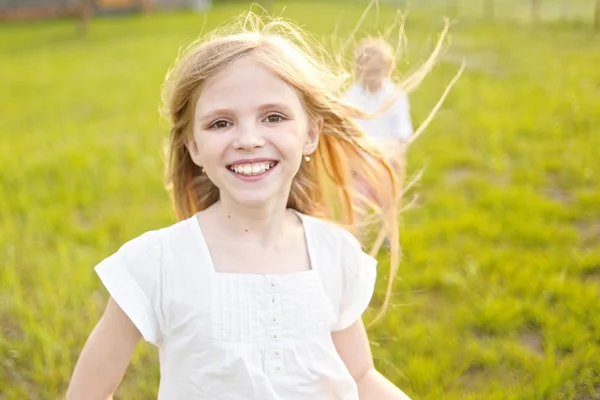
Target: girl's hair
322,187
374,50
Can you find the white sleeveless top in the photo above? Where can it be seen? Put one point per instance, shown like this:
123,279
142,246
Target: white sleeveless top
242,336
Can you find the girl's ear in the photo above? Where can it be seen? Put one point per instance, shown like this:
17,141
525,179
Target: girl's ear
192,148
314,132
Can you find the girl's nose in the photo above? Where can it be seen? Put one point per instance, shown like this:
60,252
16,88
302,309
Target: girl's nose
250,137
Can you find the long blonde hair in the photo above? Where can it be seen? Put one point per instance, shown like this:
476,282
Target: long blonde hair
322,187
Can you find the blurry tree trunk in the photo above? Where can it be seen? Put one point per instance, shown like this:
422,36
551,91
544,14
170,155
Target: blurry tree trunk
564,10
85,10
597,16
535,10
488,9
452,8
147,6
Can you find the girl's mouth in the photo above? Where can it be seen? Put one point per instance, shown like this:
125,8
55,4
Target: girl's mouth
252,168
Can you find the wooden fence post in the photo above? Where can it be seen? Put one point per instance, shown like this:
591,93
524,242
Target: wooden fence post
147,6
597,16
535,10
488,9
452,8
84,11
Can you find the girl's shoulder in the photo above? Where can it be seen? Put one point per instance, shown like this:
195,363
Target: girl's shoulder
347,274
389,86
330,235
353,92
152,243
135,275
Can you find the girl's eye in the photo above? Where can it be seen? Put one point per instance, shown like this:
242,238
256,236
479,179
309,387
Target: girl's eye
219,125
274,118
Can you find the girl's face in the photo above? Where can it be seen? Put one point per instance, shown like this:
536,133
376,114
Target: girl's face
250,134
372,70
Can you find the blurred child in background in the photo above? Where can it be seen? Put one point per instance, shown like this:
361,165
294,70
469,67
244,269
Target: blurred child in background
387,121
375,93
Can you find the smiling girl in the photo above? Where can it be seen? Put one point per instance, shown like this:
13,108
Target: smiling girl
257,291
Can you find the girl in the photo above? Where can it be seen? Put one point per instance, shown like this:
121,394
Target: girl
375,93
255,293
387,120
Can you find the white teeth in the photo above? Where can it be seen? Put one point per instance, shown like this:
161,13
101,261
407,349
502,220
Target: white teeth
252,169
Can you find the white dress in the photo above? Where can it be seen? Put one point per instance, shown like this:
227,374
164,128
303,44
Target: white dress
242,336
393,124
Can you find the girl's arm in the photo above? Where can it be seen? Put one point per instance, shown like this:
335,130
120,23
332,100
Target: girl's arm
105,356
353,347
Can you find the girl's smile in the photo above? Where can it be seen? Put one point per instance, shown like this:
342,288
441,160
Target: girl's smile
252,170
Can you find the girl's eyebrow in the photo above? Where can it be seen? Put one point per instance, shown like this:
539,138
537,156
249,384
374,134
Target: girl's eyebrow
264,107
278,106
212,113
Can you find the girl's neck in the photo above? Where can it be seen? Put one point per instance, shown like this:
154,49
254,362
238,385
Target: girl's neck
264,225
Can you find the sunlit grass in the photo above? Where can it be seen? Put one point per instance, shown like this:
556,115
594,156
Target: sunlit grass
497,296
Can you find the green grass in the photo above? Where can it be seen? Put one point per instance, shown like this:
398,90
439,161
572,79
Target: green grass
497,296
580,11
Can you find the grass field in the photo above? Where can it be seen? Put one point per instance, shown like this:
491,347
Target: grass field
498,294
564,11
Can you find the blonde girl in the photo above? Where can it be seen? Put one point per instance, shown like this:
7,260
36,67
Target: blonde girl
257,291
387,120
377,94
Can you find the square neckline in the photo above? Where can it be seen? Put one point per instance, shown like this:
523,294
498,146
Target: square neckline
205,251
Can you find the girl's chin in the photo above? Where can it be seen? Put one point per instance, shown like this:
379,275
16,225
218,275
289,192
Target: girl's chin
256,198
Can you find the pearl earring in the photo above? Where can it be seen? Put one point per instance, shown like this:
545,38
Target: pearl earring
307,158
